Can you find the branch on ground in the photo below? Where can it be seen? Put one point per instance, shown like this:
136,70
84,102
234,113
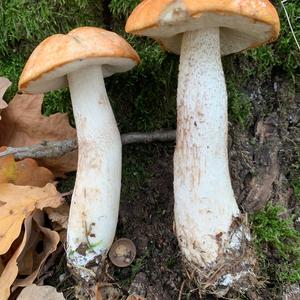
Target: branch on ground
59,148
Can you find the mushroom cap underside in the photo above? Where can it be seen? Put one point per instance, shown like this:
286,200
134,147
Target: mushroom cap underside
243,23
59,54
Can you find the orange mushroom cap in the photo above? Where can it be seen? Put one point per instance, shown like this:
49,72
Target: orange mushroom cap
60,54
243,23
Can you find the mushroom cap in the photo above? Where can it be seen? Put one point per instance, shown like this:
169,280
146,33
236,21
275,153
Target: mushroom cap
60,54
122,252
243,23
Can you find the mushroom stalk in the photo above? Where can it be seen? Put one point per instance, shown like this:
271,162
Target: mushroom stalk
95,201
205,207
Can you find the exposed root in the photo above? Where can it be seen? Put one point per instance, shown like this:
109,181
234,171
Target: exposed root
235,268
87,278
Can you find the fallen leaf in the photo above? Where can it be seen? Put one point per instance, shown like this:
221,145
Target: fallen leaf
32,234
59,215
8,169
10,271
59,218
24,172
47,240
19,202
40,292
25,260
28,172
2,266
4,85
23,125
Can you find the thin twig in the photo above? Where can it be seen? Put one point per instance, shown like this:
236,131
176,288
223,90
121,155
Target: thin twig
289,21
181,290
59,148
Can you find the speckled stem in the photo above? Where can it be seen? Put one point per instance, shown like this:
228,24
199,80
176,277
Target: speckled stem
204,201
95,201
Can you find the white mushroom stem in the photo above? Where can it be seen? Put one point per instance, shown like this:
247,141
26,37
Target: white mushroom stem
205,206
95,201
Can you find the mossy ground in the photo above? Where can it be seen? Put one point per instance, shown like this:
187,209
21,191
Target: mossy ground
144,100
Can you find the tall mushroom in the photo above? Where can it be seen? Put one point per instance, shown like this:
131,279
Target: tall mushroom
208,221
80,60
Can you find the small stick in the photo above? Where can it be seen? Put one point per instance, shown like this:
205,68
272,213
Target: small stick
181,290
289,22
59,148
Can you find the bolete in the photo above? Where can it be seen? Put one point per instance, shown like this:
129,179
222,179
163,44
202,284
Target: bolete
209,225
80,60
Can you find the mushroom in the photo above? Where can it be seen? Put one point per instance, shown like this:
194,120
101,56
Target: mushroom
209,225
80,60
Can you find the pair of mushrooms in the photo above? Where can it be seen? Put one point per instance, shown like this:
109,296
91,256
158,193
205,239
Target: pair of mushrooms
208,222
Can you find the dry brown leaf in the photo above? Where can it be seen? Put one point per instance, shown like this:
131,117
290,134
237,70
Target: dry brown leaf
24,172
18,203
25,260
28,172
23,124
34,232
59,219
8,169
59,215
41,236
40,292
10,271
4,85
46,292
2,266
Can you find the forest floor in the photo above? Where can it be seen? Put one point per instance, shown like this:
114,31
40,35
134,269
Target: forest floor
264,147
263,164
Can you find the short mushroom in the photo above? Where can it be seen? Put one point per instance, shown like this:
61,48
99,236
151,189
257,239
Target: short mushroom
208,221
122,252
80,60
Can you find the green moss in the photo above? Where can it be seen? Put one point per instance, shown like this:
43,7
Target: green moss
145,98
66,184
296,187
296,181
278,244
284,54
25,23
123,8
135,169
11,67
239,105
58,101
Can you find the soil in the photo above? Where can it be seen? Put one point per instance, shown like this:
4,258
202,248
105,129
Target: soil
261,155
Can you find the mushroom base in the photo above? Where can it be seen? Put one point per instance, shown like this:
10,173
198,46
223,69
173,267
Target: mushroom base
235,269
205,207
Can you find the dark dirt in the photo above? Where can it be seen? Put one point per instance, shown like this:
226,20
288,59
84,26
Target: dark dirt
261,160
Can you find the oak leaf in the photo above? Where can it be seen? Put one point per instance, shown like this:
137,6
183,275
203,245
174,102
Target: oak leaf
4,85
23,125
24,172
18,203
59,216
10,271
28,172
32,228
59,219
40,292
32,259
8,169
